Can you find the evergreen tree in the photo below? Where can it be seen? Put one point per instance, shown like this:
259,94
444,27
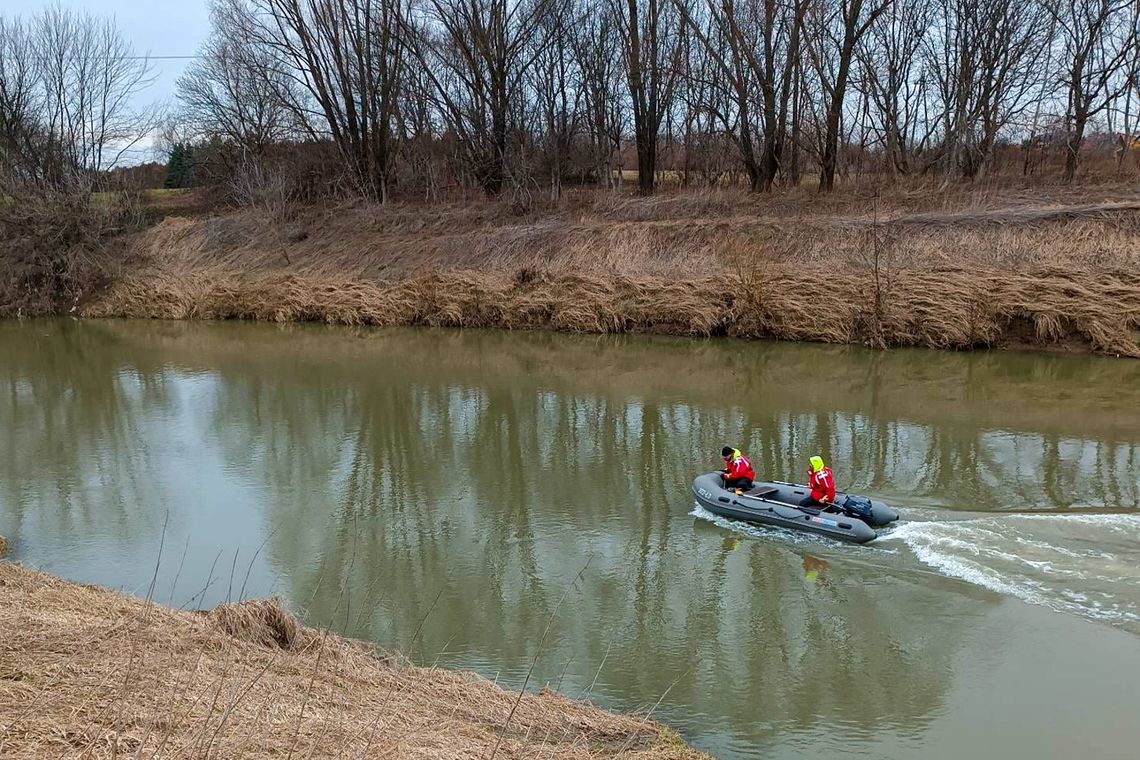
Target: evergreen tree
180,167
189,163
174,167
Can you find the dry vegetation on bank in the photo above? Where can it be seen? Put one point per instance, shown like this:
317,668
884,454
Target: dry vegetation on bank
88,672
945,268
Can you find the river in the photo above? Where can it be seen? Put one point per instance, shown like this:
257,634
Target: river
457,495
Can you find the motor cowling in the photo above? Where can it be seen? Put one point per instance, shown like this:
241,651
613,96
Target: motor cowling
858,506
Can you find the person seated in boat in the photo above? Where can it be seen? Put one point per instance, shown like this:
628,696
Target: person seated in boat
737,473
821,482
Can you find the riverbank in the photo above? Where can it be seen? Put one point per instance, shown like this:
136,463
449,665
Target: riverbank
1042,268
85,670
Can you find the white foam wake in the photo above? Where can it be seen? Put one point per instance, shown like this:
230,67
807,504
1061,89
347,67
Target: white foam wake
1088,565
1082,564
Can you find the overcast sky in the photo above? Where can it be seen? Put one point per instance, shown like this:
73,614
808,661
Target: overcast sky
155,27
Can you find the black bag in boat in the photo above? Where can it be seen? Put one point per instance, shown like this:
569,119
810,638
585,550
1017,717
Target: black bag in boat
857,506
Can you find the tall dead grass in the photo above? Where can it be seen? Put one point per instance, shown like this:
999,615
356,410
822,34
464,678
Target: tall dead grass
671,241
92,673
1022,266
948,308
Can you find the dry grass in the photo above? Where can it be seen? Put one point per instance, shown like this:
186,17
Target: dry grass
3,546
88,672
679,235
938,308
961,267
260,621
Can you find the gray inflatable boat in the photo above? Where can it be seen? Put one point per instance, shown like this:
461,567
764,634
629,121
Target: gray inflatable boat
853,518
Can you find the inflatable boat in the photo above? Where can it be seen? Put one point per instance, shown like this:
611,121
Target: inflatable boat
851,518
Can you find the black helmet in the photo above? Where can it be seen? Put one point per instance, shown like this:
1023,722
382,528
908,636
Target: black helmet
726,452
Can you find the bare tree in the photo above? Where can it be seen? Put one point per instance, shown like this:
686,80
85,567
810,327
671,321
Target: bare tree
26,153
755,47
724,81
705,111
419,133
234,90
985,59
513,94
67,82
597,48
476,54
652,51
891,77
1128,125
555,81
836,27
89,76
1096,39
344,60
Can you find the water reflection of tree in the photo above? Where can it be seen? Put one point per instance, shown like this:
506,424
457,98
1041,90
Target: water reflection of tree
908,422
78,412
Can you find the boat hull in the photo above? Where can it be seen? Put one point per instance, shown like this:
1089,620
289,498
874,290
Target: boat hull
772,511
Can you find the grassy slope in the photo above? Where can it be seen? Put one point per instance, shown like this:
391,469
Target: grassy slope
948,269
87,671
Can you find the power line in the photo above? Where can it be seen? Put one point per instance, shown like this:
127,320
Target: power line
127,57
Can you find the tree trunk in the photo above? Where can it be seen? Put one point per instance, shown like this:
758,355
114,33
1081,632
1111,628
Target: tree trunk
755,176
1073,142
646,160
794,142
830,159
644,136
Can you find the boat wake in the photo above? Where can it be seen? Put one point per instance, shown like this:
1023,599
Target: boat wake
1087,565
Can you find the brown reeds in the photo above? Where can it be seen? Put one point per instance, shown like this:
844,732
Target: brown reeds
88,672
3,546
966,268
947,308
673,236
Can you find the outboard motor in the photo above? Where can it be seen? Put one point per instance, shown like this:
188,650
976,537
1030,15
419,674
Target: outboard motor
858,506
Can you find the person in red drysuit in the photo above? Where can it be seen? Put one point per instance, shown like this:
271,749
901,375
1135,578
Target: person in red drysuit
822,484
737,473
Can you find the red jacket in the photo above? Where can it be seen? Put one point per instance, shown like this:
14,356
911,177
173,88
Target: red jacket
822,485
740,467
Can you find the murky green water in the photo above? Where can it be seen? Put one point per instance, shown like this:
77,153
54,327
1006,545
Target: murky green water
470,485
